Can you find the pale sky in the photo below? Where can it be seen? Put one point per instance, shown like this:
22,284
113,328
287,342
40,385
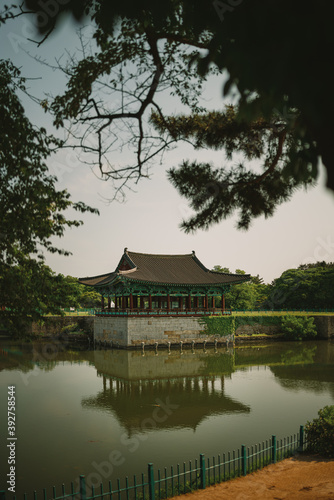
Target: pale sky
300,231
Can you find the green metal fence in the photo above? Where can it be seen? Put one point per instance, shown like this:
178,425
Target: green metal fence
165,483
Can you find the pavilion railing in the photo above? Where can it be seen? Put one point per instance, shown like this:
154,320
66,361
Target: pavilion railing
162,312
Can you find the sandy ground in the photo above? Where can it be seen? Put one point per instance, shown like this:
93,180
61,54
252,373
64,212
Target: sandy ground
299,477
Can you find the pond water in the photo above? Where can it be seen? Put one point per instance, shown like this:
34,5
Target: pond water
107,413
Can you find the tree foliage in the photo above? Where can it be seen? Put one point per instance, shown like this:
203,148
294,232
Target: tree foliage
244,296
32,210
79,296
320,432
216,193
28,291
295,328
275,59
310,286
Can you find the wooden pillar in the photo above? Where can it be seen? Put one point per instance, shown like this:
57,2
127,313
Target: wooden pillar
168,303
131,302
116,302
223,302
206,303
150,302
213,303
159,302
102,303
196,302
189,302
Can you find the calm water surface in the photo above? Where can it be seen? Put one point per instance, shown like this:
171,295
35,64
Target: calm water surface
107,413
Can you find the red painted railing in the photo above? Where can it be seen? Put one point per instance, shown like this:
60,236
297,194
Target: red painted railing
162,312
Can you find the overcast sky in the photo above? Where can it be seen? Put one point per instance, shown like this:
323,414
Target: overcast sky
300,231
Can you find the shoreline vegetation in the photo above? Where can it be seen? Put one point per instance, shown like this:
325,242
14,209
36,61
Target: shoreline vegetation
246,326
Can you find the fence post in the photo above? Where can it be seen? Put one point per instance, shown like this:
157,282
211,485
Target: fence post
202,469
2,494
244,459
301,438
273,449
83,495
151,482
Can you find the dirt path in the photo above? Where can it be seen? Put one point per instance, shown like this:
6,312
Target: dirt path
299,477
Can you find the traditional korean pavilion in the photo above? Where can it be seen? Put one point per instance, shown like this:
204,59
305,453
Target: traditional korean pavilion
150,284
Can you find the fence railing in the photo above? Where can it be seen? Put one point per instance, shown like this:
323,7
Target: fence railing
93,311
283,311
191,476
163,312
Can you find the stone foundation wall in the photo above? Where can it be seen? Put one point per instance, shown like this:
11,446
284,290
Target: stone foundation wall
111,328
257,329
130,331
164,330
325,326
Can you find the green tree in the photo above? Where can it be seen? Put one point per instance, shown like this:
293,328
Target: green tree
245,296
31,209
30,290
276,63
307,287
295,328
320,432
241,296
217,193
219,269
89,298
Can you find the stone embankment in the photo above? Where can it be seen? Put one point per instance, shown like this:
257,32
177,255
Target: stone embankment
81,328
324,325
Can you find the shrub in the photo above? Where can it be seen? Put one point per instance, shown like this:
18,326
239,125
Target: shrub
223,326
320,433
297,328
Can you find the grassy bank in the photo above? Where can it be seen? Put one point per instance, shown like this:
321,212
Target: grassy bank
284,313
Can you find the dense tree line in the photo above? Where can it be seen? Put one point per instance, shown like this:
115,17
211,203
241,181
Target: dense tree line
310,286
34,290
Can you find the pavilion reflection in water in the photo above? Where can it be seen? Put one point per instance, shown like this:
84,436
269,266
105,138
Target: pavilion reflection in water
163,391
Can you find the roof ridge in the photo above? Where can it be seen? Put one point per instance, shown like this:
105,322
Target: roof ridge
161,254
127,271
97,276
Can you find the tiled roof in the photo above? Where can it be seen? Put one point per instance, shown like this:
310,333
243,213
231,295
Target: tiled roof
170,269
97,280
